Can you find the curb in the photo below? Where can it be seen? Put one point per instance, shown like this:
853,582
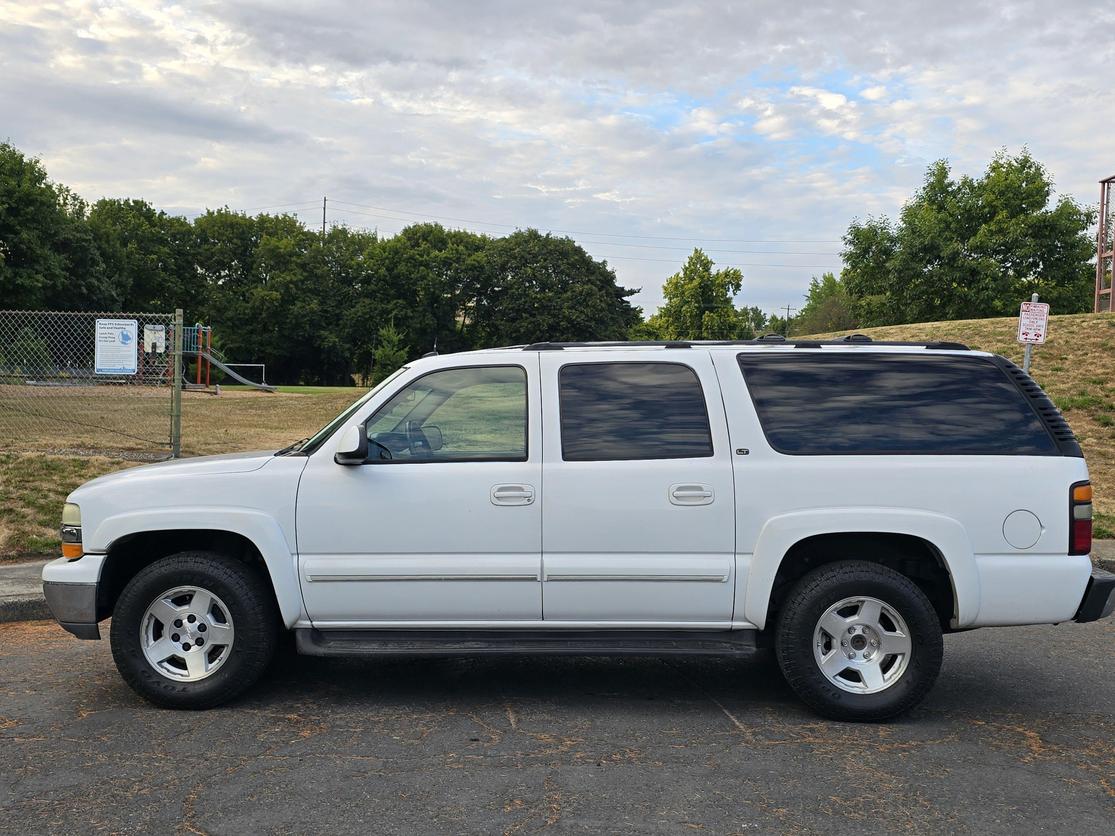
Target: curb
24,609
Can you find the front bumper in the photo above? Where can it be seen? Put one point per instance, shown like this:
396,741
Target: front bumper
70,589
1099,597
75,607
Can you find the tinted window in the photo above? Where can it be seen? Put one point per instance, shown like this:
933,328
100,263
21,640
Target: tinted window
623,411
826,403
469,414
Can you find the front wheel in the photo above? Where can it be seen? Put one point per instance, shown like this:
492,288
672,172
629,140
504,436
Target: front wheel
193,630
859,641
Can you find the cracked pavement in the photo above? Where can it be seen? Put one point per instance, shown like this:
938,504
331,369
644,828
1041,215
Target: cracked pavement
1018,736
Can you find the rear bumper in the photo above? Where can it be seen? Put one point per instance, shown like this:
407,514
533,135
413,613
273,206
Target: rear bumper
1099,597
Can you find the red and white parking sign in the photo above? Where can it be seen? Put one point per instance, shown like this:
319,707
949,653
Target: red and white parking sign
1033,321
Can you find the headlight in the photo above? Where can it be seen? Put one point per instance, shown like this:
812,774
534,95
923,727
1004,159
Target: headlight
71,531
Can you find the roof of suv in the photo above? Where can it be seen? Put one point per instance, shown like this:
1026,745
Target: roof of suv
858,342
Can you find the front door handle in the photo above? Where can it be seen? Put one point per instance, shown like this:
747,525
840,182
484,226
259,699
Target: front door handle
691,494
512,494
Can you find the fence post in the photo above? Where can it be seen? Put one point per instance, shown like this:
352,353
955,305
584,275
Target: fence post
176,394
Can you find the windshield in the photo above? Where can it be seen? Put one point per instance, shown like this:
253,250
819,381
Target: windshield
321,435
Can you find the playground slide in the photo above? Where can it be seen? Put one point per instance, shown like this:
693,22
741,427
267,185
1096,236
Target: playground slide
234,375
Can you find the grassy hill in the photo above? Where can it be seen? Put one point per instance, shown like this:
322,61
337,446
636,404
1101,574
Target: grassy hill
1076,367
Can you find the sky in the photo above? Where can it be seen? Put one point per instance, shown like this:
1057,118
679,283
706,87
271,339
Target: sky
758,130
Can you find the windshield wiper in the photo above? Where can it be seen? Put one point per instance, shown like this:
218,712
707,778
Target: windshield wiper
292,448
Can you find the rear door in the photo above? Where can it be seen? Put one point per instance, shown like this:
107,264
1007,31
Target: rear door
637,507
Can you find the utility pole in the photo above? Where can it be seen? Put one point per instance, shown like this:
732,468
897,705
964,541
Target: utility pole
786,326
324,202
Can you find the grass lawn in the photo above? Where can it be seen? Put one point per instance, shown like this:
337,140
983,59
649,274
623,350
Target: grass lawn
1076,367
33,486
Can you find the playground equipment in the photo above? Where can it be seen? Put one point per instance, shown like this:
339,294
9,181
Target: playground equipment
197,341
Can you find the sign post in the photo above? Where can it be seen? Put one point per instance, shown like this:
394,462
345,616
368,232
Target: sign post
1033,325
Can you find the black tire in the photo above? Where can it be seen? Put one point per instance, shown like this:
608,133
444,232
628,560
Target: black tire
832,583
250,602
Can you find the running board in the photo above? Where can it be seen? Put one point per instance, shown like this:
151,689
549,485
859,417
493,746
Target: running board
313,642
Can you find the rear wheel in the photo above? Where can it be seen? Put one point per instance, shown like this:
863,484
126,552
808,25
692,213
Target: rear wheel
193,630
859,641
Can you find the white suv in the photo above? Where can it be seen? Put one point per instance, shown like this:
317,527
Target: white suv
846,502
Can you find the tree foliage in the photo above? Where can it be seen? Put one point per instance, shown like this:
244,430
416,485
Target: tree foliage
972,247
828,307
390,352
47,252
698,304
315,309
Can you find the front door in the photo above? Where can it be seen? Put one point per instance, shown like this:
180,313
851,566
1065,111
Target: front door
638,513
442,525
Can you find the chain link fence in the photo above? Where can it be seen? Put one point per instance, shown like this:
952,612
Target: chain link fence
84,383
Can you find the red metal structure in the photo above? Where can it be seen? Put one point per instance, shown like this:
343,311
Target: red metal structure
1105,250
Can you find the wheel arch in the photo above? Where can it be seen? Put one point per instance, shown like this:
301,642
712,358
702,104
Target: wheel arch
135,540
931,549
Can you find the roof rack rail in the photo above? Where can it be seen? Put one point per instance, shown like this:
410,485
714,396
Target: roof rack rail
945,344
552,346
766,339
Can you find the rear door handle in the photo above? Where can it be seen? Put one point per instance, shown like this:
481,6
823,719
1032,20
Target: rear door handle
691,494
512,494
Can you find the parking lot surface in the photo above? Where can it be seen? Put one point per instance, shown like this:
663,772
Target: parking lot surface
1017,737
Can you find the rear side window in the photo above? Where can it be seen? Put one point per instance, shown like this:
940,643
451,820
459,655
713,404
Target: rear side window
839,403
625,411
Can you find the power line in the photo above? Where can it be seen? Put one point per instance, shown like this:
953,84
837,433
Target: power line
613,256
738,264
425,215
280,206
664,260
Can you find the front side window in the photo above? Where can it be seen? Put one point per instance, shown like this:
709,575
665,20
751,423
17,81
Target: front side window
468,414
627,411
833,403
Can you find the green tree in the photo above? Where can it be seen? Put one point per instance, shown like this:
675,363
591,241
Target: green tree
698,303
779,325
48,258
390,352
148,255
828,307
972,247
537,287
753,322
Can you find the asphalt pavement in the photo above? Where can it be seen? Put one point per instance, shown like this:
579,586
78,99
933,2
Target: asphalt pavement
1017,737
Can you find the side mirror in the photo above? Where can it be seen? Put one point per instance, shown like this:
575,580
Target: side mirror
353,447
434,436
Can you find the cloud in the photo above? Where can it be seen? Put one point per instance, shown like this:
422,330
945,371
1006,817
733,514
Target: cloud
643,127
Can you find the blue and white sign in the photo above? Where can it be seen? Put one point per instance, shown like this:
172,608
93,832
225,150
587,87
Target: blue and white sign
115,351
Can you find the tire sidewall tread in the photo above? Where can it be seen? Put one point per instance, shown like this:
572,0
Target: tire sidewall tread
823,587
254,617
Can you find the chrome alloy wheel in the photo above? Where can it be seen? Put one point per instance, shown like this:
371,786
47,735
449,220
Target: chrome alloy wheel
186,633
862,645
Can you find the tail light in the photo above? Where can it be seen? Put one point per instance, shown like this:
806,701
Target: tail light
1080,518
